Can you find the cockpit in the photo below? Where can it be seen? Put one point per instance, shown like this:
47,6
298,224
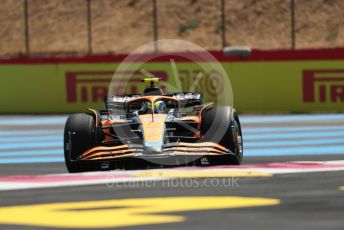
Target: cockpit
153,104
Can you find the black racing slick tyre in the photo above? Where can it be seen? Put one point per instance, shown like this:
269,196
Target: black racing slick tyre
79,136
221,125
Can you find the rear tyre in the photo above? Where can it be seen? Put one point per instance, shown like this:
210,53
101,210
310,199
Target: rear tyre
219,125
79,136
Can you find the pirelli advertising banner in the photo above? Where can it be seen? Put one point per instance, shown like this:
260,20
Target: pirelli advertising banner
265,81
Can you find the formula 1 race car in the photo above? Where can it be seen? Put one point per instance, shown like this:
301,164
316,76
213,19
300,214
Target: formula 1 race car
152,129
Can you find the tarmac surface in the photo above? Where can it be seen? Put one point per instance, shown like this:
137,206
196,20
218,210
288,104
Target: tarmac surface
292,177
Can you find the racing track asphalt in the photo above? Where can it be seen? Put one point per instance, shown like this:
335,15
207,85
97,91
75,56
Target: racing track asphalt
307,200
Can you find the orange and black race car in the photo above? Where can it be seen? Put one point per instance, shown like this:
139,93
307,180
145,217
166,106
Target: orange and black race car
152,129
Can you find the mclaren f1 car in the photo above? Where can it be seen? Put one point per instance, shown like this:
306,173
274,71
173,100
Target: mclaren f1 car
153,129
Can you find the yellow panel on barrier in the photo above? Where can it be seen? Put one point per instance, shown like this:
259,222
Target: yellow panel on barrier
261,86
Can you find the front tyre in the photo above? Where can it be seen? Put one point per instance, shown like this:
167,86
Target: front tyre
237,143
79,136
221,125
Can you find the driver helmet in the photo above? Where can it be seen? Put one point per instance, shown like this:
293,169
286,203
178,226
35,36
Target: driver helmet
159,107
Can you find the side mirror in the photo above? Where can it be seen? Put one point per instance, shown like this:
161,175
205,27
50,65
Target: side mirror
240,51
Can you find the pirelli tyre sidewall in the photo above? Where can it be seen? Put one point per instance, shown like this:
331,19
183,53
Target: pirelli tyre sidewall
222,125
79,136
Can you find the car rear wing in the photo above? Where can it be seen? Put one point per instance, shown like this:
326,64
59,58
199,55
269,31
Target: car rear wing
187,99
118,102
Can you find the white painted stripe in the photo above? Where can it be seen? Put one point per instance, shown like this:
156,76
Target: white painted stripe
287,118
116,177
272,136
283,129
5,186
294,143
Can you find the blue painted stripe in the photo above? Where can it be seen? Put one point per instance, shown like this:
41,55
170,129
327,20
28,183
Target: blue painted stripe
38,152
254,137
338,131
288,118
53,144
249,142
274,136
32,160
246,130
256,130
289,151
9,133
33,120
16,140
301,142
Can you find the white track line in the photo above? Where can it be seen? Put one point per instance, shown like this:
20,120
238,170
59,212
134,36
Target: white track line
119,177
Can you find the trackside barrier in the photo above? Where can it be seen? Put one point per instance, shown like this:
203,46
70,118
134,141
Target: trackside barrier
265,81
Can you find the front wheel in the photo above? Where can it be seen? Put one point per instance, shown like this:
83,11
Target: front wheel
221,125
79,136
